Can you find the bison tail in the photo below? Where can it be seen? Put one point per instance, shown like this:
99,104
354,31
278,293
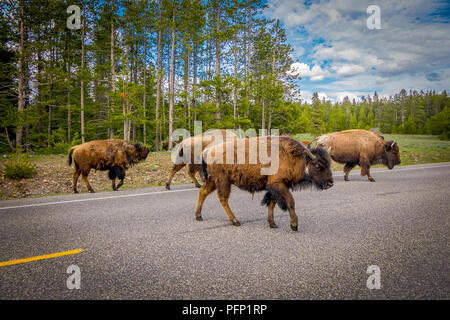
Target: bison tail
69,158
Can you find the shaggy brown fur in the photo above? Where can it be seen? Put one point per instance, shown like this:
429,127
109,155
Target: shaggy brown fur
202,140
299,167
360,147
113,155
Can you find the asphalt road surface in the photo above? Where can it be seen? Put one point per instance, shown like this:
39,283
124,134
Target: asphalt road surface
146,243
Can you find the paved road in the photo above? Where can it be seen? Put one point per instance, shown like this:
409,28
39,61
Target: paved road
146,244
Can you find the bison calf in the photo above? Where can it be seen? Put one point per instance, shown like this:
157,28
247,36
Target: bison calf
298,167
360,147
113,155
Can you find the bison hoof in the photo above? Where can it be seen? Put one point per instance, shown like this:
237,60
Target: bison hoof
236,223
199,218
294,228
167,186
91,191
345,178
75,191
273,225
371,179
198,185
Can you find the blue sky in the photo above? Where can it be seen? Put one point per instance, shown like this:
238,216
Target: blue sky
337,55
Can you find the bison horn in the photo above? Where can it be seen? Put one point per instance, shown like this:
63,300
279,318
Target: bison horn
393,143
310,155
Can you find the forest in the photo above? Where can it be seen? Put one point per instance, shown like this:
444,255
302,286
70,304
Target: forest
75,71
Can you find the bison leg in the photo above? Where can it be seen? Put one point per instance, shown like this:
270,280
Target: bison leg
286,201
365,169
191,173
223,193
120,183
175,169
76,174
84,175
347,168
205,190
270,219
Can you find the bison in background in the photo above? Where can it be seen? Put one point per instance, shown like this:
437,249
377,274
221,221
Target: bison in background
360,147
113,155
298,167
186,153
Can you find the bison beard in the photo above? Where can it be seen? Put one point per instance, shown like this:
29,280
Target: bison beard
272,195
116,172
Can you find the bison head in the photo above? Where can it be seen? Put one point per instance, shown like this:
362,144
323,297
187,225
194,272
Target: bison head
136,152
391,156
319,168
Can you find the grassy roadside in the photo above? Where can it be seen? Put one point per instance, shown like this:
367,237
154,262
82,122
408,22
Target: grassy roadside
54,177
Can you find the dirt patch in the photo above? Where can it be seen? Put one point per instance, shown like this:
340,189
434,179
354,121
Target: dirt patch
54,176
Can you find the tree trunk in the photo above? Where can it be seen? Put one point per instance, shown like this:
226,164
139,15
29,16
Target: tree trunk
218,93
249,41
113,75
187,85
194,87
158,80
263,115
83,34
269,126
38,87
172,80
235,78
69,111
20,106
144,102
126,123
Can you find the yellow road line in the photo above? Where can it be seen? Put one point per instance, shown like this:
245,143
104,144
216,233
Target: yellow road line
46,256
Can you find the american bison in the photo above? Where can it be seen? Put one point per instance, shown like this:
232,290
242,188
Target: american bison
187,148
298,167
113,155
360,147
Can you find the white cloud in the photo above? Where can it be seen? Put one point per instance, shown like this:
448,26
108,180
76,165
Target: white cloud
316,73
347,69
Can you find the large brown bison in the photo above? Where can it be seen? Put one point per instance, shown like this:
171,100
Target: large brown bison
113,155
360,147
187,148
298,167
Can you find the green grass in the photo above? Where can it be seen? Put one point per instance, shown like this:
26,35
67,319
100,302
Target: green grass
418,149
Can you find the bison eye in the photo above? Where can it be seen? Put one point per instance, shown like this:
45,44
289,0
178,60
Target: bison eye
318,167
